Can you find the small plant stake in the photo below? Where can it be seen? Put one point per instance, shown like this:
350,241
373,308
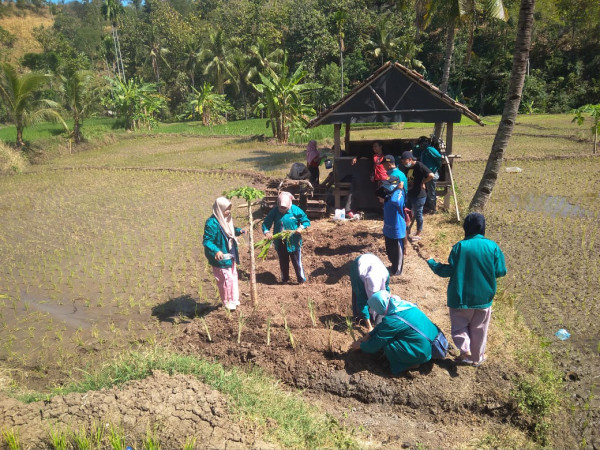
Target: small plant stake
241,323
206,329
269,331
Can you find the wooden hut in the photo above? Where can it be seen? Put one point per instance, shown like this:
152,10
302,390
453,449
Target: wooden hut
393,93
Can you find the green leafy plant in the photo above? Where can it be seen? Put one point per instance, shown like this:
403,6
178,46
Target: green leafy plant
265,244
11,438
594,113
311,311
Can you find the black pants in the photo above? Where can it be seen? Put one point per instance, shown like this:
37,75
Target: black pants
284,263
394,248
314,175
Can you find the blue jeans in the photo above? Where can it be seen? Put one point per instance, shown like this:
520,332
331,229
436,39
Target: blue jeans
416,204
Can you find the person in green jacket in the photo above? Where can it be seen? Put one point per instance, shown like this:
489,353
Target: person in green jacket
404,347
473,266
221,250
287,216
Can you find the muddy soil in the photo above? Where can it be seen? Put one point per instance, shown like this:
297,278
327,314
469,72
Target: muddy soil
441,404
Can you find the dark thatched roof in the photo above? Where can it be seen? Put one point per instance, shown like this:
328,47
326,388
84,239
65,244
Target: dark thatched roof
394,93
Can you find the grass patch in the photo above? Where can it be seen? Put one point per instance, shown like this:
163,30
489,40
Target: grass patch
11,160
254,396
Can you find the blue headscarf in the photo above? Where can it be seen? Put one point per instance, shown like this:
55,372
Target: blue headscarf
385,304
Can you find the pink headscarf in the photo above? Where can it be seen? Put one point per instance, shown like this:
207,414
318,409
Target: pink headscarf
312,152
284,201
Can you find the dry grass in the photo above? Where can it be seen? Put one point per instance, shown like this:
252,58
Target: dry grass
22,28
11,160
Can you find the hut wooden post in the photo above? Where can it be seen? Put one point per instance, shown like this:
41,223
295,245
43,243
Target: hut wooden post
449,135
336,151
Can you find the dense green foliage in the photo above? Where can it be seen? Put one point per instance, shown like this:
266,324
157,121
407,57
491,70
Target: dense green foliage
180,45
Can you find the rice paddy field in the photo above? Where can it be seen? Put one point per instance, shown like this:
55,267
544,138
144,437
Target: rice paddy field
96,245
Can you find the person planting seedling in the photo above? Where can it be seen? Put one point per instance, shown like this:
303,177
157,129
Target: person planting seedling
287,217
221,250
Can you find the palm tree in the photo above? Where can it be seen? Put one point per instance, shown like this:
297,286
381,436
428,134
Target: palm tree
457,13
18,93
263,57
78,96
340,18
511,107
216,53
241,71
111,10
384,44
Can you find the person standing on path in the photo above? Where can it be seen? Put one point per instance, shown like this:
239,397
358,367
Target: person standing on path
367,276
394,226
418,175
313,159
221,250
473,266
287,217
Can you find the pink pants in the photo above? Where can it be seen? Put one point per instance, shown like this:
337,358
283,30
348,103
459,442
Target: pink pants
227,280
469,328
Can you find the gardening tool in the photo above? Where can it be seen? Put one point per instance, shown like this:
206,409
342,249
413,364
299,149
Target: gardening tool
453,191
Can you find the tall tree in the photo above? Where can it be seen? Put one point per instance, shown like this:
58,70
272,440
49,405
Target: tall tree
18,93
511,107
216,54
79,95
112,10
384,43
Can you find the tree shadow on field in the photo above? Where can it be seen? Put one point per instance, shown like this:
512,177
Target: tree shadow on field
334,274
338,321
178,308
264,158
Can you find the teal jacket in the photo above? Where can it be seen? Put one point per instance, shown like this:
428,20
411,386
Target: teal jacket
402,346
473,266
215,240
291,220
395,172
432,159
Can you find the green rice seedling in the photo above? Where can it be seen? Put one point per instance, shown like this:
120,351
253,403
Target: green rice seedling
190,443
289,333
241,323
116,437
58,439
311,311
151,441
269,331
81,440
206,329
350,327
11,439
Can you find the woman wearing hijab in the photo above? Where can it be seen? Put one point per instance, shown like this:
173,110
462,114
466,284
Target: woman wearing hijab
367,276
404,347
473,266
283,217
313,159
221,250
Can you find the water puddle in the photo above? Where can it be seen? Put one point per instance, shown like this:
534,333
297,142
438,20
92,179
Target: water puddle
70,313
552,205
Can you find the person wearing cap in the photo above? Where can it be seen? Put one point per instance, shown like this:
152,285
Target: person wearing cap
379,173
389,163
432,159
367,276
418,175
473,266
287,216
394,226
404,347
221,250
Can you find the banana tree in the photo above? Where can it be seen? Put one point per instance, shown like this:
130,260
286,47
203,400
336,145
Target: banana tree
249,194
283,98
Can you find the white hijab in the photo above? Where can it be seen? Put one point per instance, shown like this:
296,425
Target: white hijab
219,207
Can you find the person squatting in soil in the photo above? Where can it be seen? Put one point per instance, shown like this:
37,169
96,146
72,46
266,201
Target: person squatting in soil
221,250
313,159
418,176
473,266
367,276
287,216
404,347
394,226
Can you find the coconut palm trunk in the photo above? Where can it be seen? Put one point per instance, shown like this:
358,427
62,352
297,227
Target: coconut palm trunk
511,107
450,33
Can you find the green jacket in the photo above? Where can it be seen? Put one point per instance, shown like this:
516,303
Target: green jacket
291,220
403,346
215,240
473,266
